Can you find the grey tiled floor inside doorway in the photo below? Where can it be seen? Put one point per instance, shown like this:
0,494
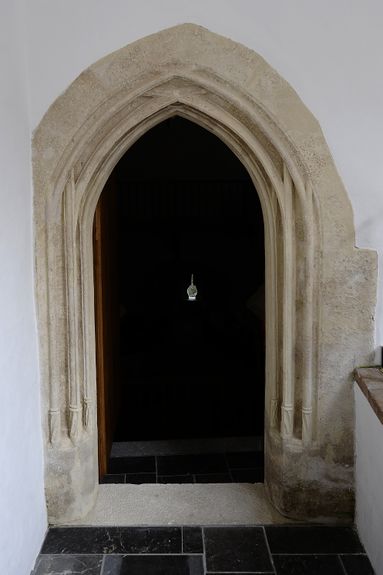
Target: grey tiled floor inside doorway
207,460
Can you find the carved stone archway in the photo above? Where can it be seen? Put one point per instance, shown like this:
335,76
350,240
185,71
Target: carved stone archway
320,291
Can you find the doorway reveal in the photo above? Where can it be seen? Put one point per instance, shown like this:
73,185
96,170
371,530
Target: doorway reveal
181,375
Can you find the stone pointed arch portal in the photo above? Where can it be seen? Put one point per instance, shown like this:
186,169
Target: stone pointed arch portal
320,289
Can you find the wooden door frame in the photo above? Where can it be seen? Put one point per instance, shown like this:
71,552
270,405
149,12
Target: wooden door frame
105,301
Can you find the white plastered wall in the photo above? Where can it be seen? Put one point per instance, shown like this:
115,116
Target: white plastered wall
369,475
22,503
330,52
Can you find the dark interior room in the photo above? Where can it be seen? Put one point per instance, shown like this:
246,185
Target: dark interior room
184,205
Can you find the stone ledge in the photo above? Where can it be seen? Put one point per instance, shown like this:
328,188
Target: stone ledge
370,381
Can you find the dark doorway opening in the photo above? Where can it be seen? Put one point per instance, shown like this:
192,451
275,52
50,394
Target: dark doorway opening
180,203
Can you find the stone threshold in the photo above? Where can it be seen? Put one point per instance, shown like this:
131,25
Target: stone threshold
370,381
189,504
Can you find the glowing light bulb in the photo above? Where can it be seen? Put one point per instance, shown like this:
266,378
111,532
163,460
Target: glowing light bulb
192,290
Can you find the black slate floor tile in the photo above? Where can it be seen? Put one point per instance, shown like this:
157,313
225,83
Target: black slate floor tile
192,540
132,465
247,475
105,540
139,478
191,464
213,478
245,459
310,549
312,539
64,564
307,565
74,540
357,565
113,478
150,539
175,479
153,565
231,549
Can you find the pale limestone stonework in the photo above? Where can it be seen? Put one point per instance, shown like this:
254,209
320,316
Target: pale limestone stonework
320,289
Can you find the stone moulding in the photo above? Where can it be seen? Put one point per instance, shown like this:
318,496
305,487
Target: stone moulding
320,289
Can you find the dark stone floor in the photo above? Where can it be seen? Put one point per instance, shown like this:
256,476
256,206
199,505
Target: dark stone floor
277,550
241,467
